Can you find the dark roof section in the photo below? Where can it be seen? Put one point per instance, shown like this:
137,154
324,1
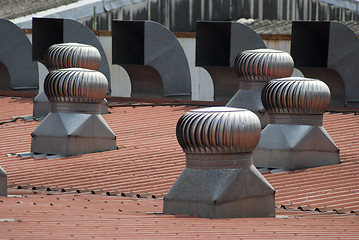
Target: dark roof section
20,8
283,27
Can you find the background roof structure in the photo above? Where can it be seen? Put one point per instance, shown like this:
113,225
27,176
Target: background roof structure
180,15
284,27
19,8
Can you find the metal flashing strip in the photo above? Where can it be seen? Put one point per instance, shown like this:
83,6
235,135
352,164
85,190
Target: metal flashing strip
7,220
53,156
25,154
35,155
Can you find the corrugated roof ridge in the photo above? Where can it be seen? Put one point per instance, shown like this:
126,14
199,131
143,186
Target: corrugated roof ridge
314,169
38,177
346,207
318,187
85,164
318,194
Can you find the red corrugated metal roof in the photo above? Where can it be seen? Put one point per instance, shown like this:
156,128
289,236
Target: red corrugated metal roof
149,160
75,216
343,128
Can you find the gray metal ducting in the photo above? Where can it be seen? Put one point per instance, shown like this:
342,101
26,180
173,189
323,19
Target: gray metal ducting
295,137
17,71
217,46
74,125
3,182
219,180
254,69
49,31
41,105
328,51
153,58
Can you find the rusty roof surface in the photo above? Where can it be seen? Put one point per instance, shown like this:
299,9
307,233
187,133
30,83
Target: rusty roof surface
145,166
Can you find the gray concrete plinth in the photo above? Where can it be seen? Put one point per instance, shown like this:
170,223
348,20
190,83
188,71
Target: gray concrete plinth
250,99
292,146
221,193
72,134
41,105
3,182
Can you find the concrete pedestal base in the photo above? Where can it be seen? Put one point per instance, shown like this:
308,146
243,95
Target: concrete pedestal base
221,193
72,134
41,105
250,99
3,182
292,146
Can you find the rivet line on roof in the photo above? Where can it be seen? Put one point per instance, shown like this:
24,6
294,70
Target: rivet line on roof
160,104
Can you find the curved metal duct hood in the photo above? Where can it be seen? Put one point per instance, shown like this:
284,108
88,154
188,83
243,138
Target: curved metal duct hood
328,51
153,58
17,71
217,46
49,31
219,180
